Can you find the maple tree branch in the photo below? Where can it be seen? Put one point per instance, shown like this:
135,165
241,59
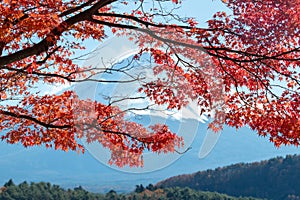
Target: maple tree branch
139,139
183,152
198,47
143,140
110,102
147,31
53,75
30,118
51,38
281,73
237,62
93,72
232,78
2,45
6,23
259,57
146,23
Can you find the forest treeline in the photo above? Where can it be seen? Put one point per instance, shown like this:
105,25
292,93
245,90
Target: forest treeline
274,179
46,191
277,179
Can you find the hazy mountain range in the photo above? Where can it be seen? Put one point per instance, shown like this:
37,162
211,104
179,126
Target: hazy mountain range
70,169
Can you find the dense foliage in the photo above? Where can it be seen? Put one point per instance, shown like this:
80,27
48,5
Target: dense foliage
177,193
46,191
277,178
242,69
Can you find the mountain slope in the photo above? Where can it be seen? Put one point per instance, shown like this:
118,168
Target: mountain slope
277,178
70,169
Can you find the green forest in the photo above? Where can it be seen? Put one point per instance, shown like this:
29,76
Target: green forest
274,179
46,191
277,178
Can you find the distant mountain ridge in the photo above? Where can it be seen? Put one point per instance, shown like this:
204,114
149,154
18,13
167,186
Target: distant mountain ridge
69,170
277,178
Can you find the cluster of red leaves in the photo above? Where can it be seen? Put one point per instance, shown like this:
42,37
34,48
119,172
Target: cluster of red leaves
37,42
40,120
126,140
252,58
59,120
262,66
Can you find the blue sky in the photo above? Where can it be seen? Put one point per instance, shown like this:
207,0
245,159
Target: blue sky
202,10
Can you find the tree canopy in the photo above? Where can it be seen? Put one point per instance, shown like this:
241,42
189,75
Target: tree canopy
243,67
48,191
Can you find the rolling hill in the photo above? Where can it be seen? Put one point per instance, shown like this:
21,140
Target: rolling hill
277,178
